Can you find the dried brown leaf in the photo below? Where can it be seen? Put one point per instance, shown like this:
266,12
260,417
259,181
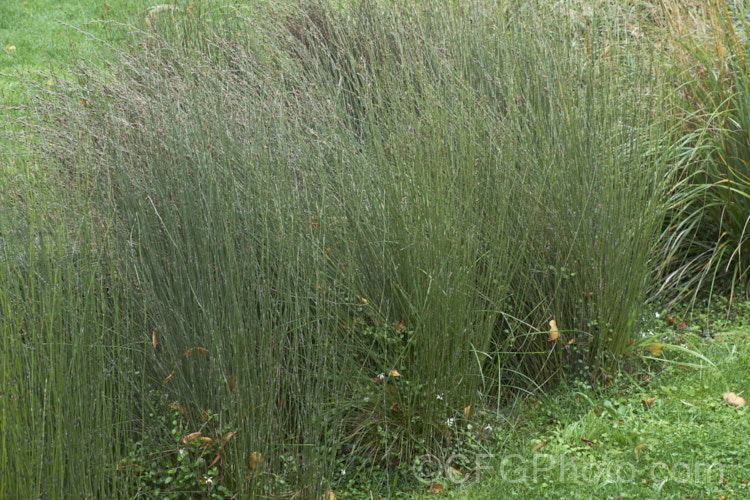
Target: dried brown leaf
733,399
190,437
539,445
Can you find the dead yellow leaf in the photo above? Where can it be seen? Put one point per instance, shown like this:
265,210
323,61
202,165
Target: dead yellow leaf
733,399
571,341
454,475
329,495
539,445
191,437
655,348
195,350
254,461
647,402
153,338
638,449
554,333
206,440
226,437
436,488
393,373
168,377
467,411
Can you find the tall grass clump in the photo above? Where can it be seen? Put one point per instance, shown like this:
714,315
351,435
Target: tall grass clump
582,127
707,241
340,228
68,372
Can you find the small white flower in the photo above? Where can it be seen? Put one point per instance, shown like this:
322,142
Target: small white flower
488,427
209,480
343,472
182,452
381,376
440,397
658,315
450,421
367,398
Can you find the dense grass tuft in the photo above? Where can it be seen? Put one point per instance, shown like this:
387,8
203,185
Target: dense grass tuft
330,231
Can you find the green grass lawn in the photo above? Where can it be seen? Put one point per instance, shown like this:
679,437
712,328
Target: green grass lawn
46,35
662,432
34,34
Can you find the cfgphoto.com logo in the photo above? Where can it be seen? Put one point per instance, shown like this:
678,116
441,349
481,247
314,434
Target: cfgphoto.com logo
460,469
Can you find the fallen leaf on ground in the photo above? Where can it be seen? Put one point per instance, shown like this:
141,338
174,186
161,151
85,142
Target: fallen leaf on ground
453,474
539,445
733,399
638,449
467,411
647,402
436,488
393,373
590,443
655,349
168,377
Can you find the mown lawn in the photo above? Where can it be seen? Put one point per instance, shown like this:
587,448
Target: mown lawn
664,431
37,34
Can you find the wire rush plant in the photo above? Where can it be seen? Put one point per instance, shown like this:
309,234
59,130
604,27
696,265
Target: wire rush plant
318,236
